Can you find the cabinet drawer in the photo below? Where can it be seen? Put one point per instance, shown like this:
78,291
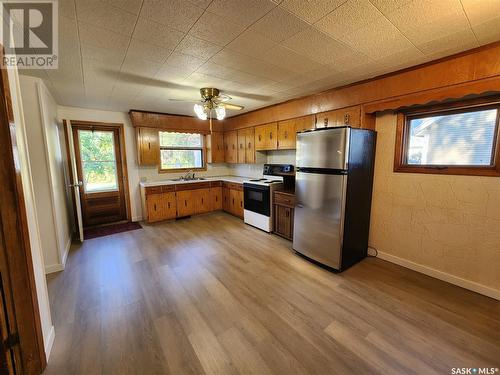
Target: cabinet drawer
284,199
233,186
193,186
154,190
168,188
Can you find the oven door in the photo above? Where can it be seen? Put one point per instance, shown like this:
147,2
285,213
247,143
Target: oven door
257,199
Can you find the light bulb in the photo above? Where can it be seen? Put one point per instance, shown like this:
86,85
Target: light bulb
200,111
220,112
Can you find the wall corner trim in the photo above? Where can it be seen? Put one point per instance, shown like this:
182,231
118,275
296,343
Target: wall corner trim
49,342
452,279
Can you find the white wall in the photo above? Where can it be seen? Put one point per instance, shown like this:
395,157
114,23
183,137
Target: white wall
48,171
32,215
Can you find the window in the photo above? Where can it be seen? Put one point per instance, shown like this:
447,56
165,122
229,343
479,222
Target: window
97,153
181,151
450,141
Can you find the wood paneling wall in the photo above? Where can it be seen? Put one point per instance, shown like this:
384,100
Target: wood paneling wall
476,71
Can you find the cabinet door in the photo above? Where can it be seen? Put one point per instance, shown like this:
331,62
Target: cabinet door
186,204
349,116
154,204
304,123
233,201
241,146
215,147
240,203
230,147
283,221
286,135
226,199
216,198
148,145
249,145
326,119
202,199
169,206
272,136
260,138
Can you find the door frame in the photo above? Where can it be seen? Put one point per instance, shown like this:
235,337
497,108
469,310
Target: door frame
123,157
20,299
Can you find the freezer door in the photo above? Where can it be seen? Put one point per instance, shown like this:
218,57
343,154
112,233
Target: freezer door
327,148
319,216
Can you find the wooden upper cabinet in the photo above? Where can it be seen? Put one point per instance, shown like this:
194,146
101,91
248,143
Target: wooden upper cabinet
286,135
215,147
241,146
304,123
148,146
250,145
349,116
230,147
266,136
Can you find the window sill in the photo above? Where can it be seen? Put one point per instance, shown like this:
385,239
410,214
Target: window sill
458,171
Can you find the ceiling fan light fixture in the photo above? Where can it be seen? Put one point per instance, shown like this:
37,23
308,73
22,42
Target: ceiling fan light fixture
220,112
200,111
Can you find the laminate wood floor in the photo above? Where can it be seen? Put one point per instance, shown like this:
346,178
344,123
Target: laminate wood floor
211,295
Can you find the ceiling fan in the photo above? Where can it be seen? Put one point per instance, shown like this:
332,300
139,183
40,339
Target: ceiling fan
212,100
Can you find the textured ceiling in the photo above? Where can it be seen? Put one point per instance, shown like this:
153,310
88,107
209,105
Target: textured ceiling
124,54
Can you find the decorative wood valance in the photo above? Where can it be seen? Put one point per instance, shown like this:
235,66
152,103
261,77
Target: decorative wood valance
174,123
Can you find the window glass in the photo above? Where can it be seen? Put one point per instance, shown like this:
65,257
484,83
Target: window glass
97,153
181,150
466,139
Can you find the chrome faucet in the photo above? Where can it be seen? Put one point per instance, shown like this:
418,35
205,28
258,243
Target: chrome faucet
189,175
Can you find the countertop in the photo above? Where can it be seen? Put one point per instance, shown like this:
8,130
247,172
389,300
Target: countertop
234,179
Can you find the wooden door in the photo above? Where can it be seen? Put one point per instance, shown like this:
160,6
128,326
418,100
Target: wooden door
186,204
169,201
249,145
202,200
241,146
215,147
240,203
216,198
226,199
283,221
230,146
155,207
148,145
98,153
286,135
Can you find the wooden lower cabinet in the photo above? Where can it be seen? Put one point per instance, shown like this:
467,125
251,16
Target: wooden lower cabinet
216,198
171,201
283,214
186,205
202,201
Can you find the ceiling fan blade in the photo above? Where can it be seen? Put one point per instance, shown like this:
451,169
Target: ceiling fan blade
223,98
184,100
234,107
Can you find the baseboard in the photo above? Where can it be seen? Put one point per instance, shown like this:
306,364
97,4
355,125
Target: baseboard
455,280
49,341
137,218
66,251
54,268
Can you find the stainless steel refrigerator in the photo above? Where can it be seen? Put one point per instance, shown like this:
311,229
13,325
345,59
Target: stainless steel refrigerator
333,188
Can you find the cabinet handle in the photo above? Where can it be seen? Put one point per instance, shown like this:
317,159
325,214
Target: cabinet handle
259,137
169,205
233,201
241,145
155,206
149,145
286,134
241,204
233,146
216,198
325,122
185,203
346,119
249,145
270,135
201,200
